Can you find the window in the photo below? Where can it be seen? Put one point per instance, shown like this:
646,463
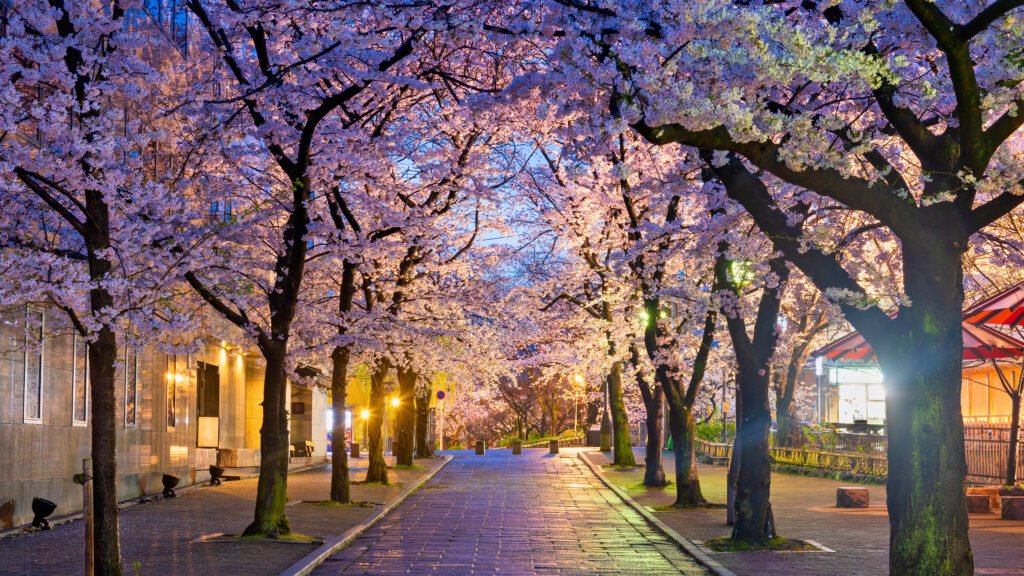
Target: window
4,15
131,389
33,365
80,382
175,368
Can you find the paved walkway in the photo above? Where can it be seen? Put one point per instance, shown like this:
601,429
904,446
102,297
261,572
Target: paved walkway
502,514
158,538
804,508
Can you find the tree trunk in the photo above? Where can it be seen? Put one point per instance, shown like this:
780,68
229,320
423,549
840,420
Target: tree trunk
106,539
1011,458
340,490
922,365
422,422
272,489
622,454
682,427
789,434
654,470
377,469
731,476
406,416
753,479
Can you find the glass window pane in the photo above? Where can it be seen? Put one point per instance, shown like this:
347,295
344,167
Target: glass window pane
33,364
81,380
172,389
131,388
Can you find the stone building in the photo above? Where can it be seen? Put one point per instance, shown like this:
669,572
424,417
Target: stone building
177,414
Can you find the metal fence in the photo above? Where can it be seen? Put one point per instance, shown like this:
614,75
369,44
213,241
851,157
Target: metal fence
985,447
564,442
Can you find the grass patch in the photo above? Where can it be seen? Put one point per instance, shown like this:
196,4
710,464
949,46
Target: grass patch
639,486
777,544
333,504
620,467
365,483
408,467
673,507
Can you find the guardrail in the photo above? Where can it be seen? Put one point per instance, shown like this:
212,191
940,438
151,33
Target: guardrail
869,464
985,449
570,442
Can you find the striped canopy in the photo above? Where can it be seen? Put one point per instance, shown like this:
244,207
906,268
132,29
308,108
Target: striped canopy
1004,309
980,343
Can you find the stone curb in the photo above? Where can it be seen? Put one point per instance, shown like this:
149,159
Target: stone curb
331,545
699,555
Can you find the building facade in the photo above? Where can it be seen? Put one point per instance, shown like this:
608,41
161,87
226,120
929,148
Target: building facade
177,413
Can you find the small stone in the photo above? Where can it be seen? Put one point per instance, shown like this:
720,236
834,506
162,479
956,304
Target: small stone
852,497
1013,508
978,504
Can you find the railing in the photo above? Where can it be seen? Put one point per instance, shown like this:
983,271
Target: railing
563,442
869,464
985,448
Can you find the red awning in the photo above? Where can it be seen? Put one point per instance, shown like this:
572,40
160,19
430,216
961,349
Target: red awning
1004,309
980,343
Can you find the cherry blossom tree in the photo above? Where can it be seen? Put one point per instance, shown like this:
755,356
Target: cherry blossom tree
89,199
905,112
272,101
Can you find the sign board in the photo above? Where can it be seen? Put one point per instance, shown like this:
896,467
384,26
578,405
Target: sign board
440,394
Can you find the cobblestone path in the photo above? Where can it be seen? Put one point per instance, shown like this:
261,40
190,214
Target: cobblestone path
502,514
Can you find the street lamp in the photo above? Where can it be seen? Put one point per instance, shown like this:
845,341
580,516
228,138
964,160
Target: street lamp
366,426
576,403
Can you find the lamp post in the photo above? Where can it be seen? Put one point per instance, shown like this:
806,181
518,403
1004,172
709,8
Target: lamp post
365,414
578,379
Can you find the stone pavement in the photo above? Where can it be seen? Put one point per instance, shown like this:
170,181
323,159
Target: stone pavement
502,514
804,508
157,537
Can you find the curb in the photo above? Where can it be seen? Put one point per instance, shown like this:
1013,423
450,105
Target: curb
699,555
331,545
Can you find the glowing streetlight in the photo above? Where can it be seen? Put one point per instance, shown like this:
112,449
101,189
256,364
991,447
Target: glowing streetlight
366,425
578,379
395,401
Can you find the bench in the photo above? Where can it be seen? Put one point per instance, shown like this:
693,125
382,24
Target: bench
303,449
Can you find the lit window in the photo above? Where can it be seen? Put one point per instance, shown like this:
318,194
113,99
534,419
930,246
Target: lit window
173,375
33,365
131,389
80,382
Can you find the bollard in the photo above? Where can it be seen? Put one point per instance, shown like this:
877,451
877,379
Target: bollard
517,447
480,447
552,446
354,450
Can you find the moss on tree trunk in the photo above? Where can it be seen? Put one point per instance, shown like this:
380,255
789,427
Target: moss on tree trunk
340,489
654,469
405,417
377,469
106,538
422,422
922,365
270,519
683,429
622,448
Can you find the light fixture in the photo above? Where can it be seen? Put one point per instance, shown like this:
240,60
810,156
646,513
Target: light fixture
578,378
365,413
169,483
395,401
215,474
41,508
